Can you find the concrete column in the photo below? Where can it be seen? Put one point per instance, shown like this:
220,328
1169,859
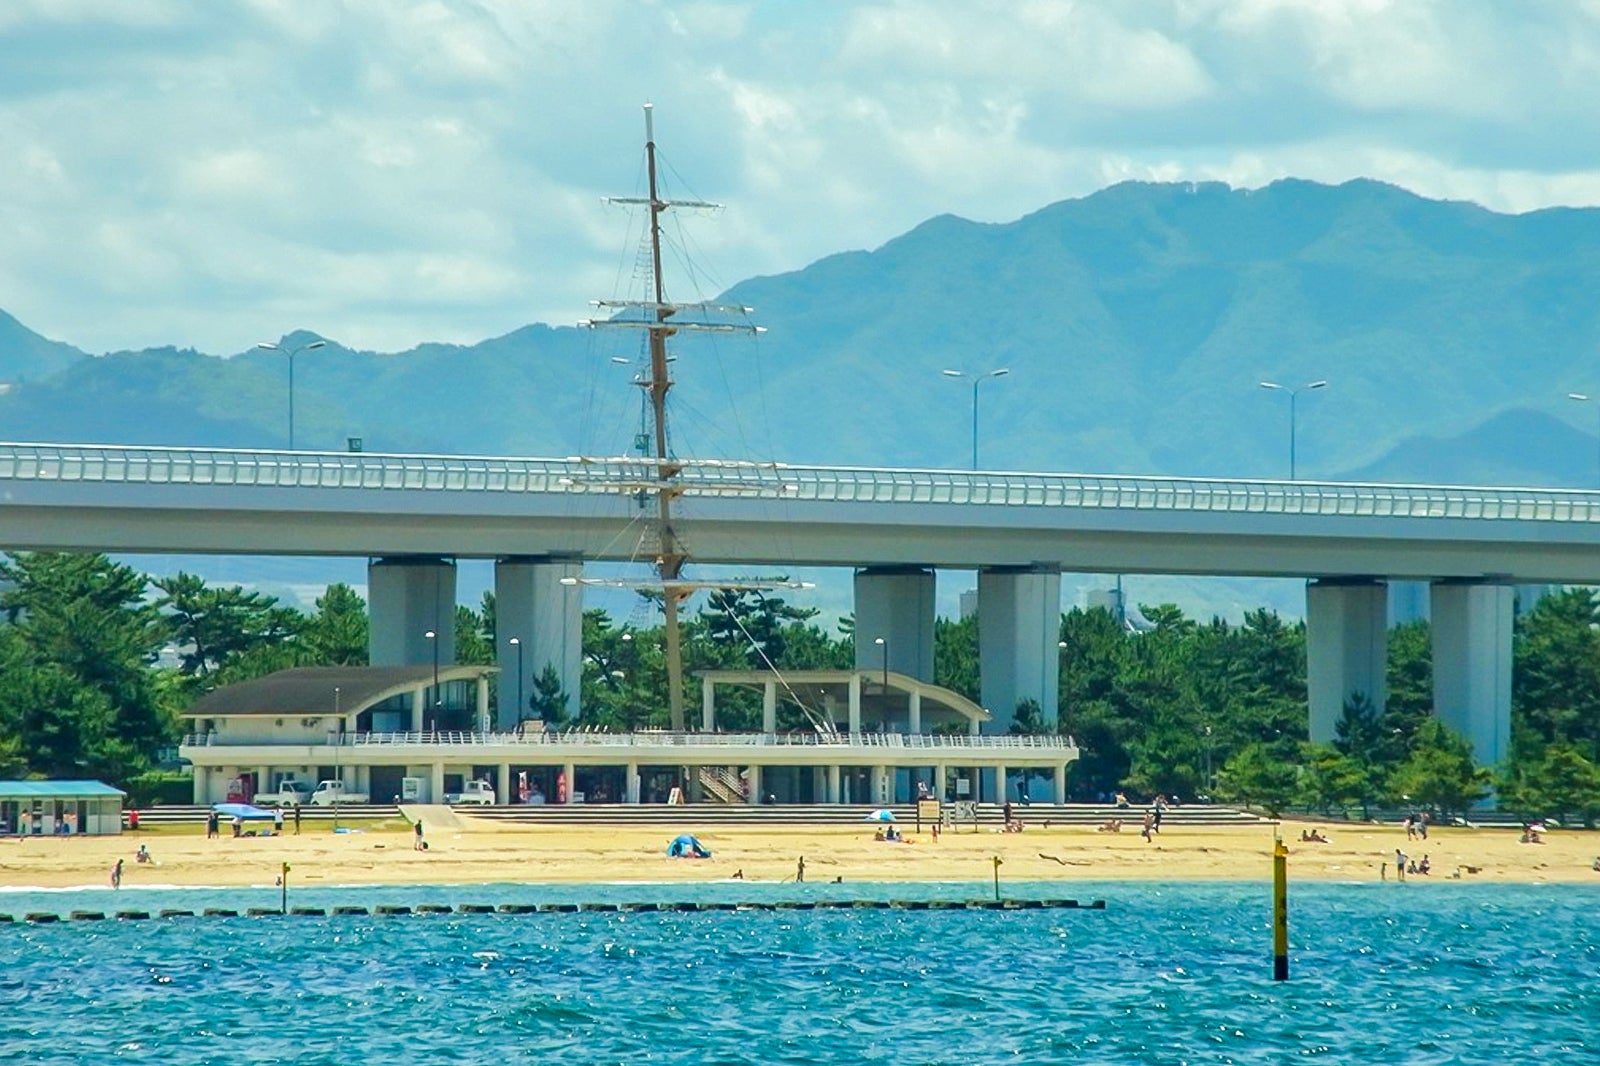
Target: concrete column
419,709
531,604
855,703
1019,625
1347,642
833,784
630,782
502,784
939,773
914,723
436,783
769,707
753,785
1472,665
571,772
483,722
880,784
1061,782
408,596
895,603
708,705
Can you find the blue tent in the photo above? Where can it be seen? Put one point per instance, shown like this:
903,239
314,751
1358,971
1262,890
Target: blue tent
687,847
243,811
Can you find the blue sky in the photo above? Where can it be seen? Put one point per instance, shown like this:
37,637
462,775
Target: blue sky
212,174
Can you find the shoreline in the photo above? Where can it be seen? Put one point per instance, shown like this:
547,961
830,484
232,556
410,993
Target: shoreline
478,852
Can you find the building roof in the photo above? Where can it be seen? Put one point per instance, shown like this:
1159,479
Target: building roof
21,790
314,690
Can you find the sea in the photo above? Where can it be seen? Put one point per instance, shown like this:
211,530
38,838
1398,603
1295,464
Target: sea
1442,972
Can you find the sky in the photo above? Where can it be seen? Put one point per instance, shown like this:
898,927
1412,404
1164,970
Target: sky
210,174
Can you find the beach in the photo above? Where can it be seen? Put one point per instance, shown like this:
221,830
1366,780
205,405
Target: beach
466,850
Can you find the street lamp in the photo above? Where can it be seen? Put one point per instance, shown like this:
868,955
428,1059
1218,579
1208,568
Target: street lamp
1583,397
335,737
291,353
1273,385
977,379
516,642
438,699
884,644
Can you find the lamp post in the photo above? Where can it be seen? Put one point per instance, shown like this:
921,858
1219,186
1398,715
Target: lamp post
516,642
438,700
884,645
1063,720
291,353
1293,393
335,735
1583,397
977,379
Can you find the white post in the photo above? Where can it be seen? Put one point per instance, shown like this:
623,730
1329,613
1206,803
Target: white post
708,705
632,782
855,703
502,785
914,725
769,707
436,782
833,784
753,785
571,772
939,781
1061,782
483,704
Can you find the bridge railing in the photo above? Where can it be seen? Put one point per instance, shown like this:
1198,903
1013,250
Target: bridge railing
732,479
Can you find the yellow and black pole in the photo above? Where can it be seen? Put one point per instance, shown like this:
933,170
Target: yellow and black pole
997,861
1280,910
283,881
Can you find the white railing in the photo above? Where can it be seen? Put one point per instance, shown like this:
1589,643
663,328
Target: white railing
659,739
733,479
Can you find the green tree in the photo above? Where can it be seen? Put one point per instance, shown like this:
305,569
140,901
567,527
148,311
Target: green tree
87,621
337,633
209,626
1260,775
1332,778
1439,772
548,701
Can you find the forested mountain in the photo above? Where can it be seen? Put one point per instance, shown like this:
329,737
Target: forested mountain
1135,322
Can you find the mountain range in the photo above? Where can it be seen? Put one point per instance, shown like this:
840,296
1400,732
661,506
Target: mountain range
1135,324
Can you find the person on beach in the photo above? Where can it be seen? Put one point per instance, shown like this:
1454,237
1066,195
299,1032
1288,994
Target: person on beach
238,826
1411,827
277,822
418,844
142,855
116,874
297,819
211,825
1149,823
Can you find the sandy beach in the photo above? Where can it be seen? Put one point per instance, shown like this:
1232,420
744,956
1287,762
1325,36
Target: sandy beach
481,852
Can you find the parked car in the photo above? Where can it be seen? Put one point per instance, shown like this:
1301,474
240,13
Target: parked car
473,793
330,792
289,794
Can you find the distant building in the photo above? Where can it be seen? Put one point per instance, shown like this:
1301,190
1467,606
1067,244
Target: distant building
49,808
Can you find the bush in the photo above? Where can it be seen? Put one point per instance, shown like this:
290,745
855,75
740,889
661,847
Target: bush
158,787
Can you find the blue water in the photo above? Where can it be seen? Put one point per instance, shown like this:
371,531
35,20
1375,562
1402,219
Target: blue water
1437,973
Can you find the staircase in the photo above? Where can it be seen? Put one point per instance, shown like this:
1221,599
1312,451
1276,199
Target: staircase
720,784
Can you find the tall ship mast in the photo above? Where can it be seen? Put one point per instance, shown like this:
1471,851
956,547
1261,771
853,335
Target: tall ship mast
660,319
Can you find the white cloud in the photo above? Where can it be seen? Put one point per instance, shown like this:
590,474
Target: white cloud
209,175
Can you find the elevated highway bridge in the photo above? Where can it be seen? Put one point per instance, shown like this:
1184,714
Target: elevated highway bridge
542,519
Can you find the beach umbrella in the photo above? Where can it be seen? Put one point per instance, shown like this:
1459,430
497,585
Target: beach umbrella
882,814
243,811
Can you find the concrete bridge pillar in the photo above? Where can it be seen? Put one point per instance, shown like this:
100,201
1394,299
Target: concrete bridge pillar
1472,665
896,605
1347,647
1019,626
546,617
409,596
